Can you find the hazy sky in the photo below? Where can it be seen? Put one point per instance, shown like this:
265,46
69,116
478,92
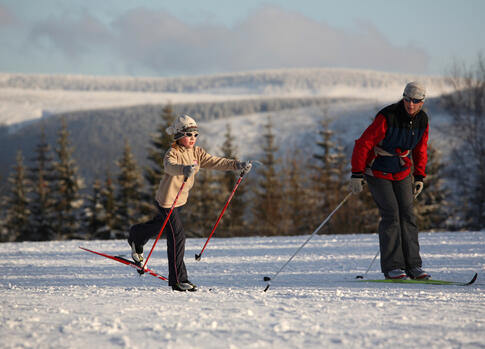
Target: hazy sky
173,38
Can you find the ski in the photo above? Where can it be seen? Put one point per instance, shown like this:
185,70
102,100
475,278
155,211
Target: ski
125,261
428,281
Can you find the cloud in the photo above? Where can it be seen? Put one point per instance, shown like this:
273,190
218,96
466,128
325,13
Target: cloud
270,37
7,18
73,37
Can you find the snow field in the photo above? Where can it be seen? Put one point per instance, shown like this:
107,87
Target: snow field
54,295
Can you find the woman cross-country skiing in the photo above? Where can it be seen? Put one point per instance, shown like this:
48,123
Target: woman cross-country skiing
382,156
182,161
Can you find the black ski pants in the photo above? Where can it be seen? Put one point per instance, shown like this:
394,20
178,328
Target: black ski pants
175,234
398,232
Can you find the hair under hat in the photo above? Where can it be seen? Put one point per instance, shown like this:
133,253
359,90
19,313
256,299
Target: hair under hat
183,123
415,89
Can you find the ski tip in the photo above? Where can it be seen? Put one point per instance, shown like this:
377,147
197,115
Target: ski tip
266,289
473,279
197,257
266,278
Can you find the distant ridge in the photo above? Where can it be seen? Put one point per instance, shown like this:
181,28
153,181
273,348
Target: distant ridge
278,80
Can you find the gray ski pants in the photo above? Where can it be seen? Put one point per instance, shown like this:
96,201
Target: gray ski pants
398,232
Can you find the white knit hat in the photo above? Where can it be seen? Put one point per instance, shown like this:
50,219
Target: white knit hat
182,124
415,89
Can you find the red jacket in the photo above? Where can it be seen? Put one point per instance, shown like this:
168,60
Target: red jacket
399,136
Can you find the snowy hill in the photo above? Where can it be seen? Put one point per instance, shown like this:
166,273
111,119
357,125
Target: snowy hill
28,97
56,295
103,112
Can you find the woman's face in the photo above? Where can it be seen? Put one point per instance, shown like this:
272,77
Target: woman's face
188,141
412,108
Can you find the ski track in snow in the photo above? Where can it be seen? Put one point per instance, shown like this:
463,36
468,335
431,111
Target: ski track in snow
54,295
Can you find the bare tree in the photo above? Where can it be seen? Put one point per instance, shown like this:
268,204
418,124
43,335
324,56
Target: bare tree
466,105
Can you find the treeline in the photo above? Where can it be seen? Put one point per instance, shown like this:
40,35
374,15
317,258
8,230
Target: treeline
291,194
98,135
287,195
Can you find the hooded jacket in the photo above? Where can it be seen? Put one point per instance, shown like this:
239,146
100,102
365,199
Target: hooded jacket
386,147
174,161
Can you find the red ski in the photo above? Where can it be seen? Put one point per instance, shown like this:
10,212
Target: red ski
132,264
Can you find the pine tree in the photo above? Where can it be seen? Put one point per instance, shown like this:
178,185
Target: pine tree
95,214
297,208
160,144
68,185
129,197
17,219
41,204
267,202
109,205
329,179
203,205
233,222
431,204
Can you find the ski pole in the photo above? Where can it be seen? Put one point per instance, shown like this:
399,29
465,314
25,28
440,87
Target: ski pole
370,265
198,256
268,279
165,222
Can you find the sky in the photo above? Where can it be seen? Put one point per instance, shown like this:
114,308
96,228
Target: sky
192,37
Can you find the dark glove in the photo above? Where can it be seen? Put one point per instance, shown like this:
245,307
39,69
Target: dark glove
189,170
244,166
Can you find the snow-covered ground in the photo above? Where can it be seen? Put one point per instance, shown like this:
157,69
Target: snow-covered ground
54,295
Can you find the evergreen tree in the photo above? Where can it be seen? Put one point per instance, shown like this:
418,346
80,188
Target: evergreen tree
68,185
267,202
160,144
95,214
297,208
431,203
41,204
204,203
17,219
129,197
233,222
108,202
330,181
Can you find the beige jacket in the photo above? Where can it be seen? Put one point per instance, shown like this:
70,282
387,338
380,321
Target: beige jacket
175,159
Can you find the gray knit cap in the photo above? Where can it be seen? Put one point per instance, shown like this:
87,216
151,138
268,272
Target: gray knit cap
415,90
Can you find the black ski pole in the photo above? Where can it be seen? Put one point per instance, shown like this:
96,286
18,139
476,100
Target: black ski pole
370,265
268,279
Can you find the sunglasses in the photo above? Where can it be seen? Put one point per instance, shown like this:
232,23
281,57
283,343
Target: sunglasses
412,100
190,134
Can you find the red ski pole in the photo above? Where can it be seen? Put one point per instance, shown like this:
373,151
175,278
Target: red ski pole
197,256
165,222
